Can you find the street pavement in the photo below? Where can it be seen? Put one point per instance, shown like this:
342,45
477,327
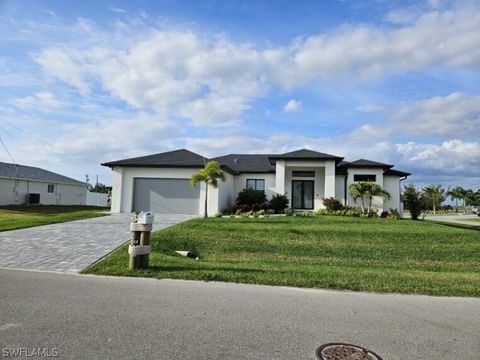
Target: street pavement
96,317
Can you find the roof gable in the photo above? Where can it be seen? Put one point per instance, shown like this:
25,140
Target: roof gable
305,154
367,163
16,171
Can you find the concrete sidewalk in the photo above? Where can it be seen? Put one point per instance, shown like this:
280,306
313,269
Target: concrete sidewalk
455,219
133,318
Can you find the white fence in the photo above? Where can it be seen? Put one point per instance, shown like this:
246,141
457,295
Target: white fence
96,199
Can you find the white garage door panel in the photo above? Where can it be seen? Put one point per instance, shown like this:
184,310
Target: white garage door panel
174,196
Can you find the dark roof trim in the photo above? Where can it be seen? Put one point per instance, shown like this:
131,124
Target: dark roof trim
394,172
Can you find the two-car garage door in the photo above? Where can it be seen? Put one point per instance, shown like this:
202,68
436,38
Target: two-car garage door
174,196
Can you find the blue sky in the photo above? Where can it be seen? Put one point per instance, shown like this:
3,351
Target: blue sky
396,81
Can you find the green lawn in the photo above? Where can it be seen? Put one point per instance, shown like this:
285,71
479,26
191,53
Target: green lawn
18,217
380,255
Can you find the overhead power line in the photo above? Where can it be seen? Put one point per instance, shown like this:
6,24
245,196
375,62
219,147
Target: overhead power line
8,152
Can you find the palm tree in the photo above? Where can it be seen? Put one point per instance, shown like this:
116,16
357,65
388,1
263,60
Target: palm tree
455,194
358,191
367,190
435,194
376,190
210,175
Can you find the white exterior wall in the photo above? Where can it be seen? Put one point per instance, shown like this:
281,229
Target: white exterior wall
15,192
392,185
226,192
326,184
377,201
241,183
340,188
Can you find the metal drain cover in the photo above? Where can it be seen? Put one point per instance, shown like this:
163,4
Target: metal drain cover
341,351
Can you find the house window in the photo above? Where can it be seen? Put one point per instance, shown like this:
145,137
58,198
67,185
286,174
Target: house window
303,173
362,177
51,188
256,184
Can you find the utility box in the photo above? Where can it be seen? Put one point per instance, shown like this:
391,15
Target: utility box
33,198
145,217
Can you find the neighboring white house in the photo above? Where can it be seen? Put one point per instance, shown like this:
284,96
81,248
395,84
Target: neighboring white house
21,185
160,182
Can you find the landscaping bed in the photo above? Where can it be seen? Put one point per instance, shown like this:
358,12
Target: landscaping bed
380,255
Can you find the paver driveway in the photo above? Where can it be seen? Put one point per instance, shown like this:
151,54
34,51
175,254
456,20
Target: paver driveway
71,246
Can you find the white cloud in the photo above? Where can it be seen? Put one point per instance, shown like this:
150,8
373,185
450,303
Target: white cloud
293,106
170,71
457,114
449,157
117,9
368,108
42,101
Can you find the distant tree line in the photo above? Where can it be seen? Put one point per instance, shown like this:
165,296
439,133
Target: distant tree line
419,201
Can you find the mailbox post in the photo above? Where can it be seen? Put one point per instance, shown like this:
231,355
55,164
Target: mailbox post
140,248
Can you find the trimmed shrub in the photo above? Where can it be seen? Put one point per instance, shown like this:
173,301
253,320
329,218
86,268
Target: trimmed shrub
289,212
218,215
278,203
346,211
250,197
231,210
255,207
244,208
265,206
384,214
394,214
332,204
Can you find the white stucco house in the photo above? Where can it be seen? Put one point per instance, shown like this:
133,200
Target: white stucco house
160,182
23,185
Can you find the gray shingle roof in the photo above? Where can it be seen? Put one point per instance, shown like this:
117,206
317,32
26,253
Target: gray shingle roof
367,163
247,163
15,171
305,154
176,158
243,163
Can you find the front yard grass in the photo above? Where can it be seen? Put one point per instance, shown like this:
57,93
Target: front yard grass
380,255
18,217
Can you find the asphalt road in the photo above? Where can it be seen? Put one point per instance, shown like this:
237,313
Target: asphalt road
92,317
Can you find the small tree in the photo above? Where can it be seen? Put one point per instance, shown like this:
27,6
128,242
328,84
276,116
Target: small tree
100,188
414,201
210,175
455,194
279,203
435,194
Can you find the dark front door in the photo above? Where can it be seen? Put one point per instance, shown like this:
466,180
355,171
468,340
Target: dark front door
302,194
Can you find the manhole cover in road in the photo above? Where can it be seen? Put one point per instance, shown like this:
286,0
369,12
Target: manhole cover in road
340,351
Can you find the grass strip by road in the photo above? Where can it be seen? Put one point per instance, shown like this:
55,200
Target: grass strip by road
378,255
19,217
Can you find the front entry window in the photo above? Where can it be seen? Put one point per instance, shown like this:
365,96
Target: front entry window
302,194
256,184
